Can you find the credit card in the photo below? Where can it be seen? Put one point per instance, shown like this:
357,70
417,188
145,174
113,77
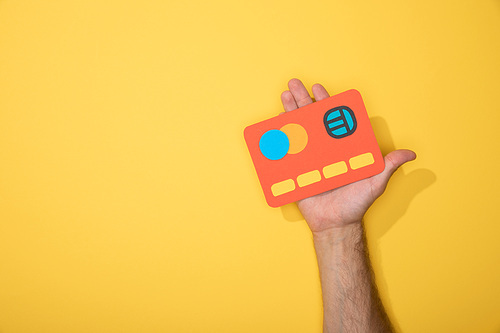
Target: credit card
313,149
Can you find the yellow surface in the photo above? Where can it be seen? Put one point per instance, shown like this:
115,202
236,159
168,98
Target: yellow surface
128,201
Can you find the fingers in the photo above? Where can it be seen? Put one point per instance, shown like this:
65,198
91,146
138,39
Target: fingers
296,97
299,92
393,161
319,92
288,101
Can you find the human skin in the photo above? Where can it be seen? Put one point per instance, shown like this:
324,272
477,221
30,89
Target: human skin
351,302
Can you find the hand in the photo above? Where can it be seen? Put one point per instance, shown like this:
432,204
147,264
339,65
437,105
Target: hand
347,204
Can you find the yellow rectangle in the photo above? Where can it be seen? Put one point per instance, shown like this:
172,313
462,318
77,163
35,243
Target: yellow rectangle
283,187
308,178
360,161
335,169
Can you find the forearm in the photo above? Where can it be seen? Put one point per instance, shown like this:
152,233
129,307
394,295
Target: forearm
350,298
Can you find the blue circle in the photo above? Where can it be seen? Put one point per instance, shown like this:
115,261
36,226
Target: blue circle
274,144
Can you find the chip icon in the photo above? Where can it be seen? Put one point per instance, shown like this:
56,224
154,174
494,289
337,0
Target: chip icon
340,122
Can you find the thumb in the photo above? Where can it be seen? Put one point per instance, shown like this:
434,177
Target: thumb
393,161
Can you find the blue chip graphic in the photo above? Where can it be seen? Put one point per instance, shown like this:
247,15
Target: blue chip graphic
340,122
274,144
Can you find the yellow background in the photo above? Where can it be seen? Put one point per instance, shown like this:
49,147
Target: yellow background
128,202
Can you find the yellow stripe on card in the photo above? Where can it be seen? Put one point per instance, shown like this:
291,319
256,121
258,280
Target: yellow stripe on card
360,161
308,178
335,169
283,187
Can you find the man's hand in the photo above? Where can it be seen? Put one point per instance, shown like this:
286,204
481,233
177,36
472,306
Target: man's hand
350,299
347,204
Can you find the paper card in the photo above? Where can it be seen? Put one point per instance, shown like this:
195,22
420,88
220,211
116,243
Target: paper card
313,149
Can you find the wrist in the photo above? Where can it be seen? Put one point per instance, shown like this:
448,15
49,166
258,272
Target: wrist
349,233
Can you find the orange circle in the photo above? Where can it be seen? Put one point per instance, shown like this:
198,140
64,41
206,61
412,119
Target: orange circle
297,136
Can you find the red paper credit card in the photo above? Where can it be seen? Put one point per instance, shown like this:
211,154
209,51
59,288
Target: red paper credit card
313,149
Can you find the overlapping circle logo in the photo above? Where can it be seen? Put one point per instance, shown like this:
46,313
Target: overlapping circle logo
340,122
289,139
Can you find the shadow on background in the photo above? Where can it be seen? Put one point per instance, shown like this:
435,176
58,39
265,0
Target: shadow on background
402,188
398,195
391,206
